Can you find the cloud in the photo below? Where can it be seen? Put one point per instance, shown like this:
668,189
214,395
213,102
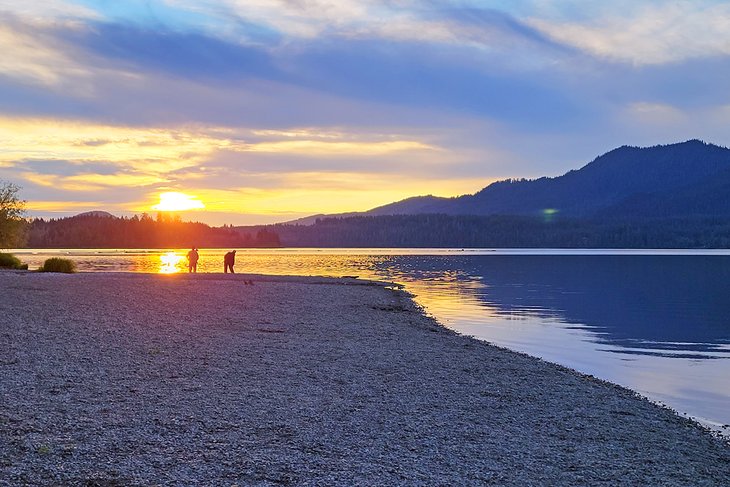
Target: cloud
645,34
325,149
92,181
304,19
465,22
144,149
311,133
156,74
493,29
65,206
47,10
30,56
190,54
71,144
371,70
655,113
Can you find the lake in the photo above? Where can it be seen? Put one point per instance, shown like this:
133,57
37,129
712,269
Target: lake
657,322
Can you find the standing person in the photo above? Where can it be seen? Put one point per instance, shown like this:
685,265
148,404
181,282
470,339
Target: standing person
228,261
193,260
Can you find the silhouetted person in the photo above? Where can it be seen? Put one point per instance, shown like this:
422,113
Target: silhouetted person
228,261
193,260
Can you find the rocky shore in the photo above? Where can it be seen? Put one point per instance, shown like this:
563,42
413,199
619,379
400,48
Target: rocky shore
132,379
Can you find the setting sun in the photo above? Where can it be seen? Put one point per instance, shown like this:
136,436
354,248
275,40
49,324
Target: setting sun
173,201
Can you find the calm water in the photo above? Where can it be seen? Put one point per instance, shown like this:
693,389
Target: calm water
657,322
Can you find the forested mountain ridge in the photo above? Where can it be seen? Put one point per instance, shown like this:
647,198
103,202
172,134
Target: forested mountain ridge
685,179
666,196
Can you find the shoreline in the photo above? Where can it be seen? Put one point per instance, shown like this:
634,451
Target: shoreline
355,381
715,428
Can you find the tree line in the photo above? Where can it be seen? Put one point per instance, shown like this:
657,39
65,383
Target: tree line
505,231
165,231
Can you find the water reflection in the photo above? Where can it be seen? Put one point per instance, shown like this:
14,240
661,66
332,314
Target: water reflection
655,305
170,263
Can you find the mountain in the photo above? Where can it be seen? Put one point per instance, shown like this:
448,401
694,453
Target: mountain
686,179
311,220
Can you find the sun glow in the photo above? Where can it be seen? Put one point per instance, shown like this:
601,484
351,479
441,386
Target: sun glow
173,201
169,262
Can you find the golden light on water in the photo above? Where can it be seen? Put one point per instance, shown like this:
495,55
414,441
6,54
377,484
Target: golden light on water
174,201
169,263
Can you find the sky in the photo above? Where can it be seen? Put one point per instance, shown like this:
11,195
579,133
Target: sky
262,111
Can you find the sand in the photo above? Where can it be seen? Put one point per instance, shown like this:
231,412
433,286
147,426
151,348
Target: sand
130,379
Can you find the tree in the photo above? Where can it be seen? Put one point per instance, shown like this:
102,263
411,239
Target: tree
13,225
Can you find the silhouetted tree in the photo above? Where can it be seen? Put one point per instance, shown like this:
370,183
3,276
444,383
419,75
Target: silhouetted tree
12,224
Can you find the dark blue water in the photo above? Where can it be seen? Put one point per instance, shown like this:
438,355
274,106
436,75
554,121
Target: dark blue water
658,324
670,305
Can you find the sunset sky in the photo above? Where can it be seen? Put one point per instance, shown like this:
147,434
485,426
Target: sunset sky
269,110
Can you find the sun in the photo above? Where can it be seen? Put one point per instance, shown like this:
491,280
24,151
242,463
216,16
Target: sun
173,201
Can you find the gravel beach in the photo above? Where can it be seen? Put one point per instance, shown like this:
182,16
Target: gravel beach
136,379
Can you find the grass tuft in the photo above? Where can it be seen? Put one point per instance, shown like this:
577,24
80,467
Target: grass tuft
43,449
56,264
9,261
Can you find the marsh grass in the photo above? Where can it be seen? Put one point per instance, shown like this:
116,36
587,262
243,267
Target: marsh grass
9,261
57,264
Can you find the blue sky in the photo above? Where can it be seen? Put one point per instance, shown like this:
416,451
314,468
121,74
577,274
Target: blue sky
267,110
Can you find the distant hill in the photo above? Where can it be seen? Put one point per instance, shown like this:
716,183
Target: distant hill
311,220
688,179
97,213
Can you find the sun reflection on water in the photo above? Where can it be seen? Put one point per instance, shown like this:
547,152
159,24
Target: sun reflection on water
169,263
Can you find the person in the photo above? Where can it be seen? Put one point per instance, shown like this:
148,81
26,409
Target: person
228,261
193,260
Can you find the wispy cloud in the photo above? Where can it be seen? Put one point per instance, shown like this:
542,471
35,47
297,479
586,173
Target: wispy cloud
144,149
30,56
48,10
655,113
353,149
92,182
642,34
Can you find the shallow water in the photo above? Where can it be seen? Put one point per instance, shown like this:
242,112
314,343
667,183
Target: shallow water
657,322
